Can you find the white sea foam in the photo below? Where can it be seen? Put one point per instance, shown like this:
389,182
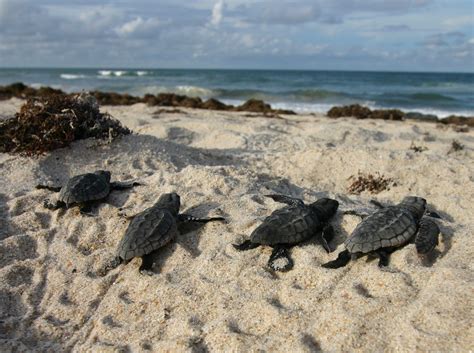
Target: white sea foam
192,91
105,72
141,73
120,73
71,76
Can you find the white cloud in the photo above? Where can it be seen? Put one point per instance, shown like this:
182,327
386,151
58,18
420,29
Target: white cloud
138,26
217,13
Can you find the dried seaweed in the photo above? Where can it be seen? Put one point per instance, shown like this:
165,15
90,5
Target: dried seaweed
369,182
455,146
418,149
54,121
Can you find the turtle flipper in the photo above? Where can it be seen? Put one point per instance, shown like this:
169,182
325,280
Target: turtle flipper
342,260
121,185
427,237
280,259
246,245
326,236
86,209
146,266
48,187
292,201
184,218
384,257
112,264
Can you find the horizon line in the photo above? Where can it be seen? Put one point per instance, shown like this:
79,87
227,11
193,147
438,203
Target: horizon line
225,69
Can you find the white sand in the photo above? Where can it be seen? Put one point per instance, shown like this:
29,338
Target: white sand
206,296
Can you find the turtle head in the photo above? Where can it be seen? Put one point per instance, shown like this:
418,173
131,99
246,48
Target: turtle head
416,205
170,201
104,174
325,208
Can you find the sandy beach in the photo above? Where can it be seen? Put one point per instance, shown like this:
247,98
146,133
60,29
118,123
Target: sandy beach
207,297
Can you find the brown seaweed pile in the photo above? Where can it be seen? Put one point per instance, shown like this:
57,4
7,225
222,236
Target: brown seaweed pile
53,121
360,112
369,182
19,90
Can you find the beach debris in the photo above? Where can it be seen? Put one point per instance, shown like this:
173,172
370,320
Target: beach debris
369,182
389,228
54,121
416,148
84,189
455,146
152,229
290,225
361,112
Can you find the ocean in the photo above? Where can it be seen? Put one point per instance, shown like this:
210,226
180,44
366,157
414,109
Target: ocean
442,94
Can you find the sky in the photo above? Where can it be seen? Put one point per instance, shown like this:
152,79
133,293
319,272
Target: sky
395,35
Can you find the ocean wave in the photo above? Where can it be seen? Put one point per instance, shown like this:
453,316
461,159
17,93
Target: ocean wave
71,76
141,73
104,72
192,91
431,97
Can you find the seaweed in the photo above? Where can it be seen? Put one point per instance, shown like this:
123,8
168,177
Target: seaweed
53,121
455,146
369,182
418,149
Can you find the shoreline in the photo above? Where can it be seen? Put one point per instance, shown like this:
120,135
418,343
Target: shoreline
19,90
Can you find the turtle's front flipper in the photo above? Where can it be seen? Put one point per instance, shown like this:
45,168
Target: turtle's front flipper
48,187
292,201
121,185
376,203
326,236
246,245
147,264
427,237
188,218
384,257
342,260
280,259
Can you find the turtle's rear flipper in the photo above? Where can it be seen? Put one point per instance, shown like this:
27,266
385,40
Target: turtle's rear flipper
147,264
86,210
121,185
427,237
384,257
188,218
326,236
280,260
286,199
342,260
48,187
246,245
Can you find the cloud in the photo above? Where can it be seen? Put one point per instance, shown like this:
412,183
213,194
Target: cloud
217,13
138,26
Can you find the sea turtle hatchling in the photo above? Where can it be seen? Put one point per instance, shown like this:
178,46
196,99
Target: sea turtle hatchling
290,225
389,228
152,229
84,189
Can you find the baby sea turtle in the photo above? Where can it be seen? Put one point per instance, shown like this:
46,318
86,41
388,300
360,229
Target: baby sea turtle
391,227
84,189
291,225
152,229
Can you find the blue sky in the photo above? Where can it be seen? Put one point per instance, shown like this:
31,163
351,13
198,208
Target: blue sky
412,35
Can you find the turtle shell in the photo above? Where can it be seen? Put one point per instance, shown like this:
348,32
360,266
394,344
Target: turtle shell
391,226
83,188
148,231
288,225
